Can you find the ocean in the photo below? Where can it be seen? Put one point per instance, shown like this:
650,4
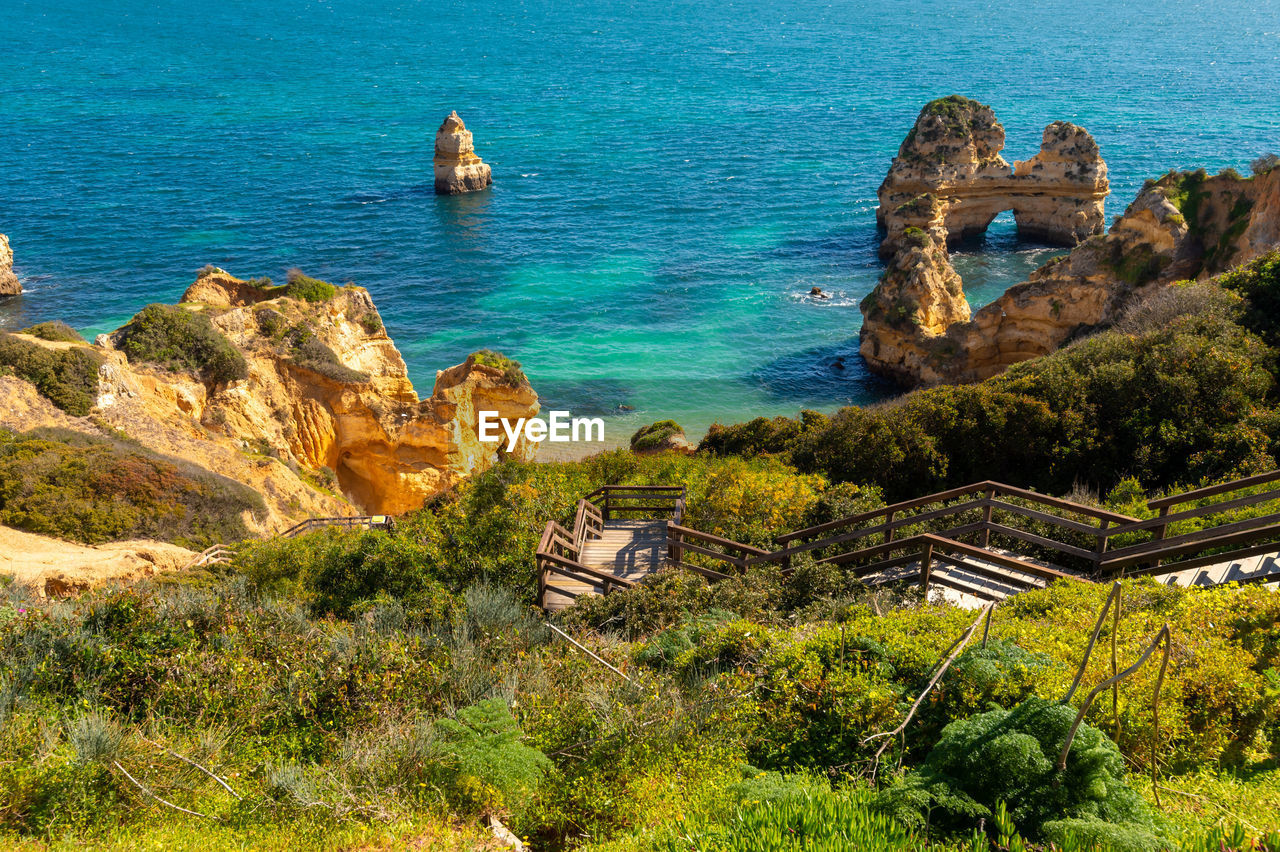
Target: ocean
670,179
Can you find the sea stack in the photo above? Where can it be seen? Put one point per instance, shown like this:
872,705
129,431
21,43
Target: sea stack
953,154
457,167
9,285
949,181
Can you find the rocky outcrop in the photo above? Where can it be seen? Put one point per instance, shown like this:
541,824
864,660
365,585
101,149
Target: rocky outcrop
218,288
1186,225
9,285
919,297
457,168
327,421
953,155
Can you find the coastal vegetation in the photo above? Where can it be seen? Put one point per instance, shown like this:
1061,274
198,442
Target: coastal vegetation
307,289
68,377
391,688
56,331
512,374
654,435
176,338
1182,389
356,682
96,489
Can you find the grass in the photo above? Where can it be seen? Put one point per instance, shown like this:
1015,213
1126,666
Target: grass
512,375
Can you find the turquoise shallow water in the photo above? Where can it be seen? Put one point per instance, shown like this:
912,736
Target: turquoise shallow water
671,178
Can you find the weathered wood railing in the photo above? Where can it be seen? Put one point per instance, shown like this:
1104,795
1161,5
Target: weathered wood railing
625,502
682,541
970,510
214,554
368,522
588,523
1163,553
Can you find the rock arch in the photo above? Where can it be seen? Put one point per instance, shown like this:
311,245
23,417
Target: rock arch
953,154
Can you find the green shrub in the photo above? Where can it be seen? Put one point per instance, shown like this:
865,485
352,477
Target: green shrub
179,339
82,488
1259,283
307,289
68,378
489,767
56,330
338,572
511,373
651,437
1010,756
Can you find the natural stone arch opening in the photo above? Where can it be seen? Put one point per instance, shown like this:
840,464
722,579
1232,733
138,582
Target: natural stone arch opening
950,180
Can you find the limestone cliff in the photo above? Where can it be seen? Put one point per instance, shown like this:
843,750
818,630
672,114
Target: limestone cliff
919,297
953,154
326,422
457,168
9,285
1185,225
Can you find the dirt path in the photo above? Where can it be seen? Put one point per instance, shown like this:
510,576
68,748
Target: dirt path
55,567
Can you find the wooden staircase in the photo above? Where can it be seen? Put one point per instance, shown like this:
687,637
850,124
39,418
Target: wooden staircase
975,544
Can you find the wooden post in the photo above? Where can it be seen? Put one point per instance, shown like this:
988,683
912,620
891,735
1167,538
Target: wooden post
888,534
673,544
1161,531
926,567
986,519
542,585
608,515
1101,550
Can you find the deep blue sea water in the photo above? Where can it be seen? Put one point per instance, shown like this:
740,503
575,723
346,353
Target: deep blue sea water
670,178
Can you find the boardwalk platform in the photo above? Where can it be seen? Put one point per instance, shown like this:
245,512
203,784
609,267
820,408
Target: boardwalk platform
628,550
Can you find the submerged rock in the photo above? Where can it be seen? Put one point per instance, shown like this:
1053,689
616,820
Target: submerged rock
457,168
9,285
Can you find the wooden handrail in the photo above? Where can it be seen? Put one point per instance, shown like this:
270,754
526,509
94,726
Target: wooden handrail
1214,490
944,544
1198,512
1182,545
349,522
995,488
697,535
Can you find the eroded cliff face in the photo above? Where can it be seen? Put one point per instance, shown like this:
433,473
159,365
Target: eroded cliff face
953,155
457,168
9,285
949,180
316,434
